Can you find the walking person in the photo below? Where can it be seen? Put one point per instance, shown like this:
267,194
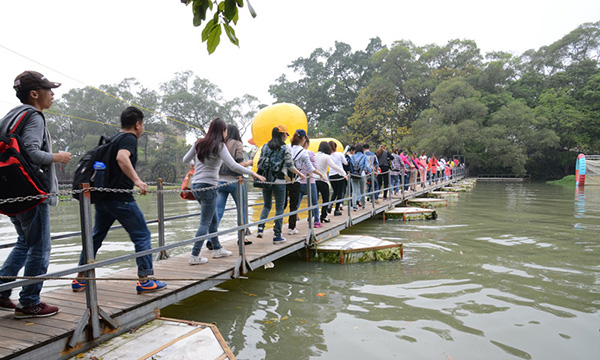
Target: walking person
228,177
396,171
207,155
324,160
423,170
374,164
383,178
121,206
361,166
32,249
299,157
335,178
310,167
280,161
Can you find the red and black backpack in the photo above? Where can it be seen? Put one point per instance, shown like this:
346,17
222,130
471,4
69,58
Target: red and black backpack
19,176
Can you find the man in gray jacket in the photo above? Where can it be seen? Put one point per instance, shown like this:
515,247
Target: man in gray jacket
32,249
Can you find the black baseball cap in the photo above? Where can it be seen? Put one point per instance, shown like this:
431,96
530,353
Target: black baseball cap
33,80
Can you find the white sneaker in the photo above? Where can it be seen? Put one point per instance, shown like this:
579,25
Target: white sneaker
222,252
293,231
197,260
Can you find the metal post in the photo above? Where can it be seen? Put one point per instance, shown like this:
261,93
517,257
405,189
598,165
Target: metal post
240,221
349,203
311,235
391,188
403,176
246,206
92,314
372,189
160,200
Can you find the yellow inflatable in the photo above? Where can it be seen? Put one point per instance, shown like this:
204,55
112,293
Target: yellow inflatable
286,114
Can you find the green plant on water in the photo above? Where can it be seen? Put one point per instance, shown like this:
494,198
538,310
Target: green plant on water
566,181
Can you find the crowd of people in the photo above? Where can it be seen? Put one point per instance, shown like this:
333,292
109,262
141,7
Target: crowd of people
287,173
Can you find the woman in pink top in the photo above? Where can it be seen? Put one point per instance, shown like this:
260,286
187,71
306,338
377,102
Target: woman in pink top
420,168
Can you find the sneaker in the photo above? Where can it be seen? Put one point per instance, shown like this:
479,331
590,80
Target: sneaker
278,240
222,252
7,304
318,225
293,231
355,208
77,285
260,234
197,260
150,285
337,213
36,311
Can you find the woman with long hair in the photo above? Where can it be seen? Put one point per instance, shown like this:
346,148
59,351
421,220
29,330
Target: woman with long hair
309,167
227,177
207,155
324,161
280,160
335,177
384,158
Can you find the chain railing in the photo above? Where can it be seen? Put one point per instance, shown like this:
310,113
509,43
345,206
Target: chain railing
92,316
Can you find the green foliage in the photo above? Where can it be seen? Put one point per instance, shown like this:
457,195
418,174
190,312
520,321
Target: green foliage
568,180
226,12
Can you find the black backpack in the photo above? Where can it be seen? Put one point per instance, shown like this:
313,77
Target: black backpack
19,176
86,174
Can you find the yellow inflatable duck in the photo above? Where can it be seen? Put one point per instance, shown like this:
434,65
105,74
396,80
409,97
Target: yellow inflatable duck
286,114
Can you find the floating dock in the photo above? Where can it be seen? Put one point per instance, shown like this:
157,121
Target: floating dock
410,213
346,249
428,202
443,194
165,338
455,189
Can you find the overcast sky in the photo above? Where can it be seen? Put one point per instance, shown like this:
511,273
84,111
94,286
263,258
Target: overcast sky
81,42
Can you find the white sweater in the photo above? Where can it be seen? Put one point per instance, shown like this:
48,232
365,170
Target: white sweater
324,161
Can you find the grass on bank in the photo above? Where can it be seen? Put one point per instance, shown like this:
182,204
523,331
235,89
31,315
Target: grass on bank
566,181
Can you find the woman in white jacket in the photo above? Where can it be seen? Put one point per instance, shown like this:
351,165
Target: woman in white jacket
324,161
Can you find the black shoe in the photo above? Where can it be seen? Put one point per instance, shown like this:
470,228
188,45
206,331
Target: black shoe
337,213
325,220
209,245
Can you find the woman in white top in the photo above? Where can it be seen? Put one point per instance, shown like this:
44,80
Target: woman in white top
324,160
335,177
207,155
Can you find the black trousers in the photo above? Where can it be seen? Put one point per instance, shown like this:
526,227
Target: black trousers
323,189
384,180
337,183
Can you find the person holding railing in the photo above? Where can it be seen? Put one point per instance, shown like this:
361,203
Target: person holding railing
335,178
32,249
228,177
121,206
384,158
396,170
362,167
325,160
207,155
309,167
277,155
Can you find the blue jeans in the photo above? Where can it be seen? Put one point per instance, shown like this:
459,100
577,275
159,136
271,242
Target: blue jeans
358,190
396,183
278,192
208,216
222,194
128,214
315,198
32,250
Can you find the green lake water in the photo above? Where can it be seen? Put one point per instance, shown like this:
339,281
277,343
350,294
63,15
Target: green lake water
507,271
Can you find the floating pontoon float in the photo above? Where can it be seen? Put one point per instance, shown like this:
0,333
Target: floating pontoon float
346,249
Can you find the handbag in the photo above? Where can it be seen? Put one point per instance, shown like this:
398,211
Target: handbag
186,186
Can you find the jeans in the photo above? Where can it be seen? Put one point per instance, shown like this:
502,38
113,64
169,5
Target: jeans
376,188
276,191
222,194
32,250
208,216
293,191
395,184
358,186
128,214
315,198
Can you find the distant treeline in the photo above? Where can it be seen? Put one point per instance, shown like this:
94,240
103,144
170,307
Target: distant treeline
519,114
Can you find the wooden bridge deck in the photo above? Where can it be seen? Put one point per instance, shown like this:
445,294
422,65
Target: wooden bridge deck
47,338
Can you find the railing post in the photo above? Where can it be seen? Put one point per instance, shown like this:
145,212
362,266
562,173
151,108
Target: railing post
350,205
240,221
403,181
391,188
246,206
311,235
160,200
93,312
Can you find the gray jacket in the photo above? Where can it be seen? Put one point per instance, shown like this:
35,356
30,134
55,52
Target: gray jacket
37,143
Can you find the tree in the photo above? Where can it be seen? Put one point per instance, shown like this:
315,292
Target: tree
225,13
